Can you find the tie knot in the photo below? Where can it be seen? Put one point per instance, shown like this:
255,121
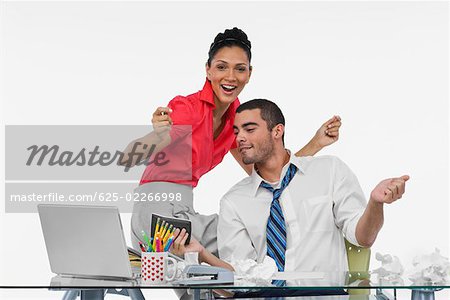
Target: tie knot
284,183
267,186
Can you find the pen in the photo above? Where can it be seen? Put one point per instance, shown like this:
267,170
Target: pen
160,245
149,246
157,226
164,230
169,231
164,113
161,227
145,237
168,238
169,243
142,246
157,230
157,244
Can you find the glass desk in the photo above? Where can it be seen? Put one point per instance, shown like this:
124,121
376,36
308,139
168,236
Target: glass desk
309,284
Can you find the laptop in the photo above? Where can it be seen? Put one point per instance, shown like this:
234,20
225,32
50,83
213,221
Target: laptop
86,241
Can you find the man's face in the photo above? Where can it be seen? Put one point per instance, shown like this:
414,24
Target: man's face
255,142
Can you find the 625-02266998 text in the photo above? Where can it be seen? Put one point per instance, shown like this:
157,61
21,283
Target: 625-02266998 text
96,197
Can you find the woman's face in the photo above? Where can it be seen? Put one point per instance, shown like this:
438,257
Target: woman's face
229,73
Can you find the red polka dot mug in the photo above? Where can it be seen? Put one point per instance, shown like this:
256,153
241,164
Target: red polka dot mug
154,268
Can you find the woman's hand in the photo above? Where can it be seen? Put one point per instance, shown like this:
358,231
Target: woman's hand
178,246
139,149
161,120
328,133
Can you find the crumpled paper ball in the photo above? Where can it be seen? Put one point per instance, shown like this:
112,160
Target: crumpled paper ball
248,272
390,265
391,269
430,269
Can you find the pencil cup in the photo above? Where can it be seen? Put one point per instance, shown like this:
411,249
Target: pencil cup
154,268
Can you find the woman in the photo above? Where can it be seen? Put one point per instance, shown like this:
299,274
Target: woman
198,148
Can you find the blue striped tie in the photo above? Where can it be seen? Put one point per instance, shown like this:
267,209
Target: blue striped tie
276,226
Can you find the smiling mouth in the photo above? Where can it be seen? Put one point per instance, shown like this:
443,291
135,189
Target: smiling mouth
228,88
244,148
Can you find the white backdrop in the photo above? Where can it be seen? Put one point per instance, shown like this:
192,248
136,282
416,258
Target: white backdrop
382,66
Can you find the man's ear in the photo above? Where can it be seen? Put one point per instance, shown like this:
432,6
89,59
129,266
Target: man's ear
278,131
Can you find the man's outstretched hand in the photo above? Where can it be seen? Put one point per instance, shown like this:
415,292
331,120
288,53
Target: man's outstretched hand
389,190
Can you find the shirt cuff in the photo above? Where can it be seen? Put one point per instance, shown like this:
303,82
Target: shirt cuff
350,234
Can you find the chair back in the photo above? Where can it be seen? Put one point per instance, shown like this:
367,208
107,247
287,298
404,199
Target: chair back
358,258
358,265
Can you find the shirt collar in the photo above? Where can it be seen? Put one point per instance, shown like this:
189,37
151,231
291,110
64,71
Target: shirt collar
207,95
257,179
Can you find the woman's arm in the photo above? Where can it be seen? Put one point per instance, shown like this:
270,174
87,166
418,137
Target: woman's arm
211,259
152,143
326,135
179,248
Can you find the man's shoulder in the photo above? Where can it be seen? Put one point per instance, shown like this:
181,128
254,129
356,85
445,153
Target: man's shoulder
240,189
327,161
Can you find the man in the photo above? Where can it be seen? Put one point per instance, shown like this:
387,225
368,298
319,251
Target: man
295,210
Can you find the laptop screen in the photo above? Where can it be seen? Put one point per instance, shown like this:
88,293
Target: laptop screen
85,240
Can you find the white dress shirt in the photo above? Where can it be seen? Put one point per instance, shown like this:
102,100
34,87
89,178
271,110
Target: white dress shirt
321,204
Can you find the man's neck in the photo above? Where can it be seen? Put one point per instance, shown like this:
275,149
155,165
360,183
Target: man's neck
270,170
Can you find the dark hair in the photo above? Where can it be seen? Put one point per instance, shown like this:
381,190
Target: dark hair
229,38
270,112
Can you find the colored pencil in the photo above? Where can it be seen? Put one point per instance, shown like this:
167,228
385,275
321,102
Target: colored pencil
169,243
169,231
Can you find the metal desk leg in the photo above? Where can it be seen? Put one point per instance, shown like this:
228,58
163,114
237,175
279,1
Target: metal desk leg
382,295
422,294
71,295
135,294
93,294
210,295
196,294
